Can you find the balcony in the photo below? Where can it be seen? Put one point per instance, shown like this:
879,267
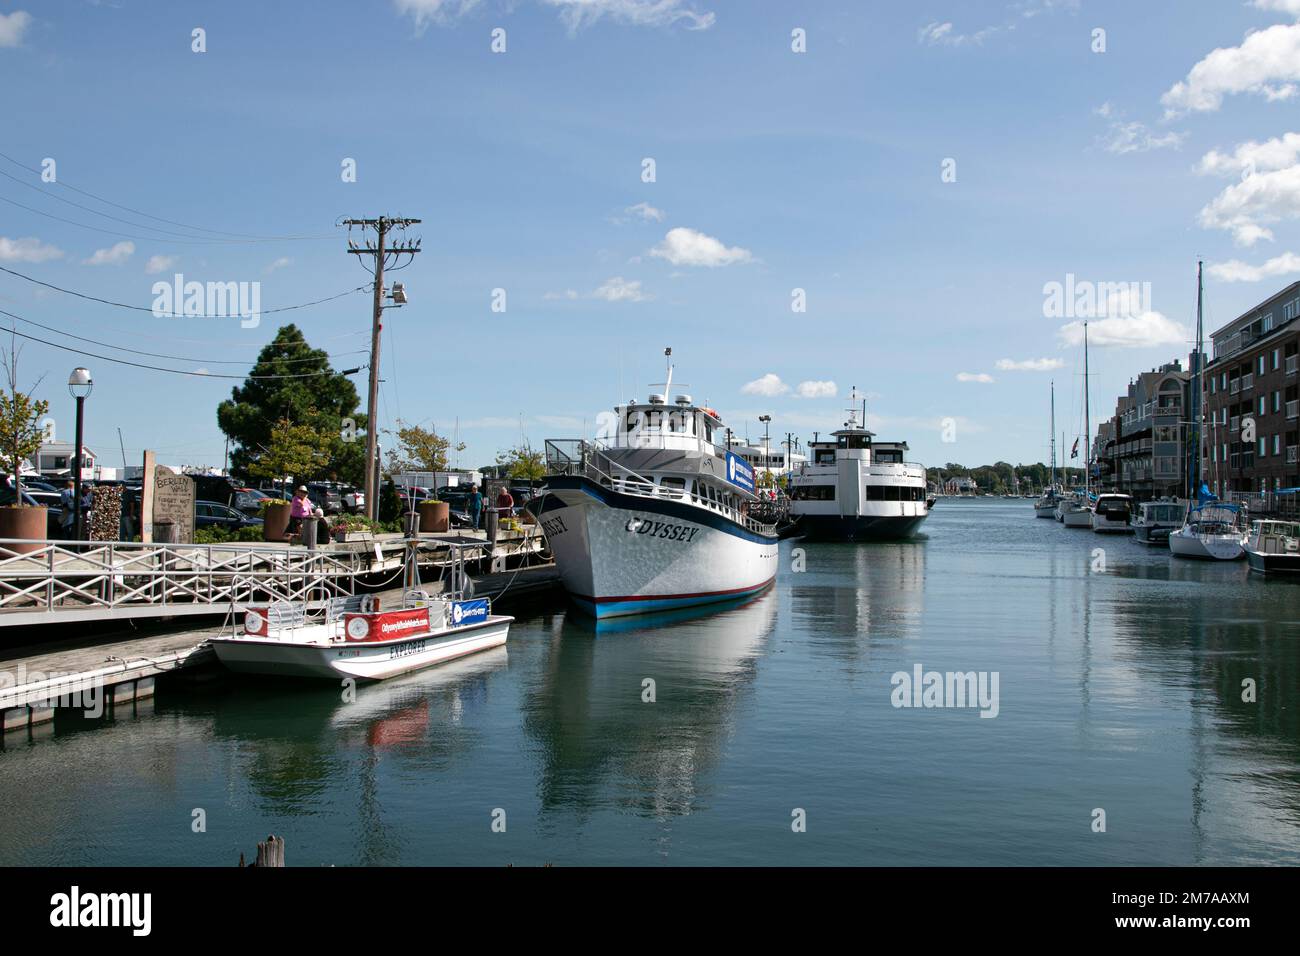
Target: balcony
1292,363
1247,382
1235,424
1293,410
1291,453
1234,386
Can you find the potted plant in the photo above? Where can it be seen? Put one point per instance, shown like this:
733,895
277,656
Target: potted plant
21,436
275,519
351,527
435,515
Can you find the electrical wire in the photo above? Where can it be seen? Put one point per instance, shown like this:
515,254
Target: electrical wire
155,368
173,315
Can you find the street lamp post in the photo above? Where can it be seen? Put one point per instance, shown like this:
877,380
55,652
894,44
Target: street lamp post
79,385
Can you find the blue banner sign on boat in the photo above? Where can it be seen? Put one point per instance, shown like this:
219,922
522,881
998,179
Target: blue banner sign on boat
467,612
739,472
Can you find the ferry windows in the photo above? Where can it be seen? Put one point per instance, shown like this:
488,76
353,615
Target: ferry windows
825,457
675,487
817,493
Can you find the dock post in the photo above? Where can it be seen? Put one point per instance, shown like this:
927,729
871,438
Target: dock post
270,852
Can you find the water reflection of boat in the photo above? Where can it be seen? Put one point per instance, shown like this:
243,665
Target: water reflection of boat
654,619
604,746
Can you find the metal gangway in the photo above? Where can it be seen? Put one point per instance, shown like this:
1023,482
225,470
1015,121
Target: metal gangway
53,581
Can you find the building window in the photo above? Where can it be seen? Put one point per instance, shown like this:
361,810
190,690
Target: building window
1277,401
1277,357
1261,365
1263,407
1263,448
1277,445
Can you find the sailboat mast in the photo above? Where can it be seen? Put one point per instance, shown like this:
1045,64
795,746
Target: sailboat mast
1053,433
1087,417
1195,469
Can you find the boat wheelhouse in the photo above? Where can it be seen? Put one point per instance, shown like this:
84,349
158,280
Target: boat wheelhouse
654,513
857,489
1156,520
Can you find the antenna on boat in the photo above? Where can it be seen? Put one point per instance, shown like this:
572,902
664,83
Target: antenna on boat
853,409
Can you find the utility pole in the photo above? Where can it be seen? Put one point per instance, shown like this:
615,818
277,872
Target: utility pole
383,256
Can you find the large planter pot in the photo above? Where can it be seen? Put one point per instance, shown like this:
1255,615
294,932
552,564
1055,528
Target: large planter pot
25,523
275,522
435,515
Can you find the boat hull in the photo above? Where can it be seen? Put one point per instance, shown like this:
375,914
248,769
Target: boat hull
1274,564
621,554
858,527
1080,518
1103,525
1208,548
1152,534
359,660
1045,510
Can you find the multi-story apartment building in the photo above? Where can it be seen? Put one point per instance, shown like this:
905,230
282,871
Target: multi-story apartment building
1142,450
1252,400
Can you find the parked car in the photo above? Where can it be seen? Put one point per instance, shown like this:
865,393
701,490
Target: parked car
354,499
326,496
209,514
249,501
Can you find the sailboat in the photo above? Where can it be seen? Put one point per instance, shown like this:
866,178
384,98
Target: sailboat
1077,512
1213,529
1045,507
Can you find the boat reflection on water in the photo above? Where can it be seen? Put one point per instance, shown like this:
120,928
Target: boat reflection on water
884,598
632,714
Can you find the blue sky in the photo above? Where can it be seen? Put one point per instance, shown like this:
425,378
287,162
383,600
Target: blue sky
775,171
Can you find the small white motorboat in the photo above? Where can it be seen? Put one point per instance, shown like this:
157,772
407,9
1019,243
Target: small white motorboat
1273,547
1111,513
1212,532
355,639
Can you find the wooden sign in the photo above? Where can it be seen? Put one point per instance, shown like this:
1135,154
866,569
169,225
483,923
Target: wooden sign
173,500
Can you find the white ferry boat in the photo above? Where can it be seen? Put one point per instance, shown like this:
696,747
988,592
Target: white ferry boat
858,489
653,515
353,638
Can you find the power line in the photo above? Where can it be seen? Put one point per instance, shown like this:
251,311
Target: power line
171,315
173,371
171,222
180,358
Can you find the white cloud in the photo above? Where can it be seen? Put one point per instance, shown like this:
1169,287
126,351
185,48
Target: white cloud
27,250
13,26
277,264
1252,157
424,12
816,389
687,247
1147,330
942,34
983,378
1135,137
158,264
577,14
1266,63
619,289
566,294
1291,7
645,212
1030,365
1234,270
1244,208
769,385
115,255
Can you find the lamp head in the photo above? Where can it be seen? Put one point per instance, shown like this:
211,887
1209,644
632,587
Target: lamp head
80,382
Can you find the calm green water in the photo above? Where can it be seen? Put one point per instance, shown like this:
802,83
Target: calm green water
1118,690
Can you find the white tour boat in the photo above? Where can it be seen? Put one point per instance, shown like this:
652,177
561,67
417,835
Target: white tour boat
857,489
1273,547
1111,514
1156,520
654,514
353,638
1212,532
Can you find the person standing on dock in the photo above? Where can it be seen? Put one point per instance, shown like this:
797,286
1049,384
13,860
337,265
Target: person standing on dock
475,505
505,503
68,504
299,509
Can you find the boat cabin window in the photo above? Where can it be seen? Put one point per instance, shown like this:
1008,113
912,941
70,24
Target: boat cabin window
888,456
853,441
824,457
675,487
817,492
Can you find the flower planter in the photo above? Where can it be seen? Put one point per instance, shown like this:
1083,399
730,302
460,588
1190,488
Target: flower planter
25,523
435,516
275,522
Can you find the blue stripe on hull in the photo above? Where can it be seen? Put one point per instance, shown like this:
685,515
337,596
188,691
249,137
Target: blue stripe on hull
649,605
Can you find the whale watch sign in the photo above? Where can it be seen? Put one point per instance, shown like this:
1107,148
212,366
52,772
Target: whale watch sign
739,472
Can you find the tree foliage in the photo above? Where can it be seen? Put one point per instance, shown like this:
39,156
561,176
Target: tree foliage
419,449
293,450
522,463
21,435
316,397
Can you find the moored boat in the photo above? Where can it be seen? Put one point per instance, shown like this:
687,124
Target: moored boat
1111,514
858,489
1076,512
355,639
1212,532
655,514
1273,547
1156,520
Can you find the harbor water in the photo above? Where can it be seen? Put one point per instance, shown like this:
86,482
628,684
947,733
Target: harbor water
1156,696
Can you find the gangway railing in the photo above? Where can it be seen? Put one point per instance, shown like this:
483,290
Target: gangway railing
124,579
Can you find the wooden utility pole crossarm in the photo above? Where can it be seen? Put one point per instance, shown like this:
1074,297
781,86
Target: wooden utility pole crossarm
380,252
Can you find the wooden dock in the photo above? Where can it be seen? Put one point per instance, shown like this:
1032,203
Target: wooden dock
36,681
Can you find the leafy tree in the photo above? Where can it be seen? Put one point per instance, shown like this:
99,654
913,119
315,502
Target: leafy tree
522,463
297,450
419,449
21,435
293,382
